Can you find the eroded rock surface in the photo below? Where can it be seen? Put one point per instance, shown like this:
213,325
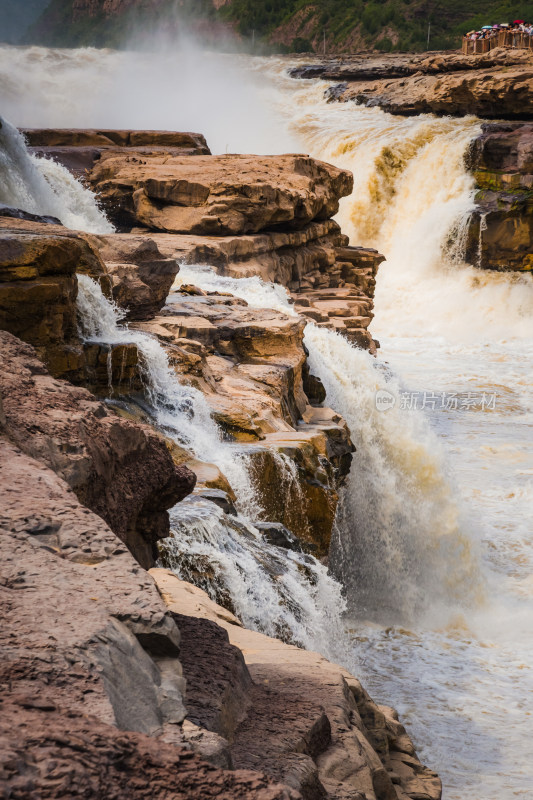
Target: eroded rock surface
500,233
92,686
307,722
218,195
120,470
496,85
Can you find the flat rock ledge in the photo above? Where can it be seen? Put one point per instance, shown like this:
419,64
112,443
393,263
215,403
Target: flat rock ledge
497,85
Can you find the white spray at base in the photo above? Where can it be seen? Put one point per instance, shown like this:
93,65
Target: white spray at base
279,592
41,186
398,549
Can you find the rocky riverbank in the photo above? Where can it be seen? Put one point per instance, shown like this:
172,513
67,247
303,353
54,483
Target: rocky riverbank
497,85
108,688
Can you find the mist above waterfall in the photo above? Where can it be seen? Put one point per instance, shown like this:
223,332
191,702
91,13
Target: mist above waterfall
171,86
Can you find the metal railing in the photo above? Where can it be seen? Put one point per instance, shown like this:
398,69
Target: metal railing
474,47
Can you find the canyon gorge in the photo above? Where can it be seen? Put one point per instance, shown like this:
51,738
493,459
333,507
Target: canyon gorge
265,416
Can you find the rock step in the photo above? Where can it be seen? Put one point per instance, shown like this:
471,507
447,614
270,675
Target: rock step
306,722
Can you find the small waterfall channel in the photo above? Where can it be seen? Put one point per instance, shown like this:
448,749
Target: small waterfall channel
281,592
42,186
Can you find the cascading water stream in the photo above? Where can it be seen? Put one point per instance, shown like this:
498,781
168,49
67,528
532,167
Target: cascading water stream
461,685
181,410
41,186
279,592
389,551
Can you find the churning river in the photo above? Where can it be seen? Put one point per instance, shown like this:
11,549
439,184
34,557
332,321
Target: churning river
448,489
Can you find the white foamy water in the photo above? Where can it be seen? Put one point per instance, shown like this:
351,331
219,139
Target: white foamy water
462,678
180,409
40,186
464,684
271,589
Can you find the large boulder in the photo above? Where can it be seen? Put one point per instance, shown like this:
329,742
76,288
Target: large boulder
141,276
218,195
120,470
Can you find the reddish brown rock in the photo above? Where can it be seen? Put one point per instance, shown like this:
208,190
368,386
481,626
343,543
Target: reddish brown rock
49,755
120,470
305,721
91,700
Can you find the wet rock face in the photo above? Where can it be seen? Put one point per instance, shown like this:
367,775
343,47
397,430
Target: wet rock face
120,470
38,289
500,234
249,364
496,85
218,195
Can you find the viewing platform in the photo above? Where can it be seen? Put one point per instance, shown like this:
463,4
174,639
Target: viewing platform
517,41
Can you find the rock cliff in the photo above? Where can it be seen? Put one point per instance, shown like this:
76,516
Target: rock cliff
500,234
496,85
108,689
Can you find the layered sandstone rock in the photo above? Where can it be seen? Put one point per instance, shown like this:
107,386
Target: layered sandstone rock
500,233
315,264
244,215
79,150
496,85
304,721
38,289
218,195
250,365
120,470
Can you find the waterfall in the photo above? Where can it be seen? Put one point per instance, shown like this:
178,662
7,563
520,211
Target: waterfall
41,186
279,592
399,550
179,409
282,593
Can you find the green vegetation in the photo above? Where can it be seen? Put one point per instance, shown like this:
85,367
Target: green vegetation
290,25
383,24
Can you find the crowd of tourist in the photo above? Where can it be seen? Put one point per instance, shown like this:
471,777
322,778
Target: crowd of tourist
493,31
